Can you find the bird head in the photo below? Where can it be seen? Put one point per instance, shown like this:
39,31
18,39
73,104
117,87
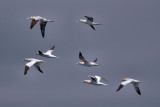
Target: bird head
82,20
26,59
124,79
85,81
31,17
80,63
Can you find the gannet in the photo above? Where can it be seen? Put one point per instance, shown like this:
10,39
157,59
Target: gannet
135,83
32,61
43,22
95,80
47,54
89,21
85,62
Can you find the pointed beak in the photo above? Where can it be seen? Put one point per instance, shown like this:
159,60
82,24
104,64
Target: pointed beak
27,18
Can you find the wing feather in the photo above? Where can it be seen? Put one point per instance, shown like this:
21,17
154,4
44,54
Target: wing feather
137,88
33,23
42,27
82,58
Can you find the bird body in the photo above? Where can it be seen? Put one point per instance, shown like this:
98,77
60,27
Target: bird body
43,22
85,62
47,54
89,21
31,62
95,80
135,83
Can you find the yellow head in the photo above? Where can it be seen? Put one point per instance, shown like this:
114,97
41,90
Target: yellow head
86,81
81,20
81,63
32,17
26,59
124,79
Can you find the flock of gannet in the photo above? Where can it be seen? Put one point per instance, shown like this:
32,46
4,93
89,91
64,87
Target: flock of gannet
94,80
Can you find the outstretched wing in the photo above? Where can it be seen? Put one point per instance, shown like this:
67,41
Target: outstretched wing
95,60
89,18
82,58
28,65
42,27
92,27
123,84
50,50
93,78
137,88
38,68
98,78
33,23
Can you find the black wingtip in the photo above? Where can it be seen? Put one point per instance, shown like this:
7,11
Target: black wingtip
95,60
43,36
26,69
119,87
52,47
80,54
40,52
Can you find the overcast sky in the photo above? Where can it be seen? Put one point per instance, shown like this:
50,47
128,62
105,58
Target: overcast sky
126,45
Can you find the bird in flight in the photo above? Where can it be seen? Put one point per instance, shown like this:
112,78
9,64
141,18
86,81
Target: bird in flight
47,54
85,62
43,22
31,62
89,21
95,80
135,83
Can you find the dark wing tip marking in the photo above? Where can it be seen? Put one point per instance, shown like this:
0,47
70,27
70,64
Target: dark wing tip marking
92,27
94,79
95,60
119,87
138,91
52,47
39,69
40,52
89,18
42,27
80,56
26,69
33,23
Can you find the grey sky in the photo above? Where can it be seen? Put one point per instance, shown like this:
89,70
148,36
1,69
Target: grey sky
126,45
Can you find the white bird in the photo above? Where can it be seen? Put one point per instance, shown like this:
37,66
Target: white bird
43,22
89,21
47,54
85,62
135,83
32,61
95,80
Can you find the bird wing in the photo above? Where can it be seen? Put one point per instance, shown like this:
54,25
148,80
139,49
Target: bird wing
89,18
33,23
94,79
95,60
42,27
82,58
50,50
28,65
123,84
137,88
37,67
92,27
98,78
